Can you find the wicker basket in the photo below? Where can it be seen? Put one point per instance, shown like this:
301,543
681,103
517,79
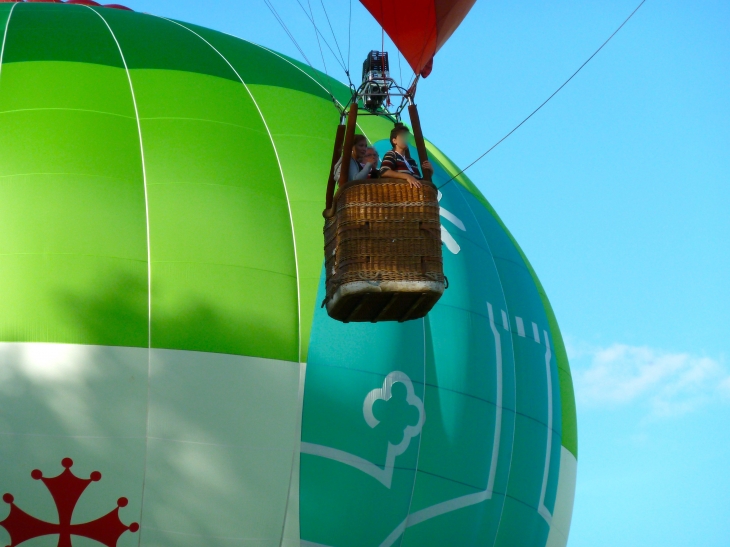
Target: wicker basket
383,251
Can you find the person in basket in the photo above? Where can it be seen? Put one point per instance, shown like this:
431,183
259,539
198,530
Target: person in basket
398,163
371,157
360,168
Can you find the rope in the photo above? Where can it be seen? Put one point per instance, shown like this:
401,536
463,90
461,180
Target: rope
335,37
320,35
349,36
412,79
317,36
276,15
382,38
280,20
548,99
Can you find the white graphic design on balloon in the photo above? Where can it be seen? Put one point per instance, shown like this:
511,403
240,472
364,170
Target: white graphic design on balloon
382,474
446,237
384,394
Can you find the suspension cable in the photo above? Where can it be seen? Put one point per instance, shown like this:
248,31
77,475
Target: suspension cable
548,99
311,20
347,71
349,34
276,15
317,37
335,102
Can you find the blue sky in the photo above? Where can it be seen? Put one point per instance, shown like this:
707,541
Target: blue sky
619,193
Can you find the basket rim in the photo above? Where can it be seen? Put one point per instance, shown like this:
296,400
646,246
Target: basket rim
329,213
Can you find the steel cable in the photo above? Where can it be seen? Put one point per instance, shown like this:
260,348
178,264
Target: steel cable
546,100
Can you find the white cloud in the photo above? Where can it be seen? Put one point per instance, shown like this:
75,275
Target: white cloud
669,383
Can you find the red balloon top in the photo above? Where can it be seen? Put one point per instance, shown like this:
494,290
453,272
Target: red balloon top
419,28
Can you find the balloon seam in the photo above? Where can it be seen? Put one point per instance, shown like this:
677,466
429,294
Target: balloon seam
511,342
281,172
149,257
5,37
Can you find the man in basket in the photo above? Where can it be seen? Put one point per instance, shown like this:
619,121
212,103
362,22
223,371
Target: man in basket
398,163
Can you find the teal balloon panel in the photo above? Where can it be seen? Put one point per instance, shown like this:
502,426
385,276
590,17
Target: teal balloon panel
441,431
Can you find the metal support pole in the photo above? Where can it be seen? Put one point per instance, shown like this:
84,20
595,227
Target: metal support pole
420,143
336,154
347,148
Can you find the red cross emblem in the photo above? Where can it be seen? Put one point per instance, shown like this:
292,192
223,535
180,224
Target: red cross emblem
66,489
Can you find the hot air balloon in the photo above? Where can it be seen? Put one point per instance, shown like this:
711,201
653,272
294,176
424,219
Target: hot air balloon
168,376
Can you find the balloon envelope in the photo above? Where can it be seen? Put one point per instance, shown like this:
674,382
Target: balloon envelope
419,28
161,274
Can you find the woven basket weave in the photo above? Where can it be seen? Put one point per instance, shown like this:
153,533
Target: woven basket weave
383,251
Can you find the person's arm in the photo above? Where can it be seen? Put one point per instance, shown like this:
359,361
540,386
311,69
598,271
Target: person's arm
338,168
364,172
413,182
426,167
360,174
388,163
387,170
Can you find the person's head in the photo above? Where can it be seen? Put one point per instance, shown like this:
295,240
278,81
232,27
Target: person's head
399,137
359,145
371,156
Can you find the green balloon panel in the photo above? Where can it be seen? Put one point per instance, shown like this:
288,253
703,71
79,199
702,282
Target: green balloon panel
161,275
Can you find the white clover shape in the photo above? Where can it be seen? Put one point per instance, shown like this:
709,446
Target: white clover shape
385,393
384,474
446,237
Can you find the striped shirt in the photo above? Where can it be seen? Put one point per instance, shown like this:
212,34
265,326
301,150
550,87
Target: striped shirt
395,162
